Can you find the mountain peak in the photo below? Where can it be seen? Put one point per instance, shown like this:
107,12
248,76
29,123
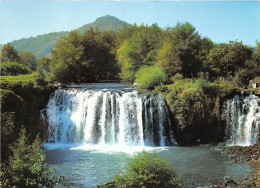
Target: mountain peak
108,16
104,23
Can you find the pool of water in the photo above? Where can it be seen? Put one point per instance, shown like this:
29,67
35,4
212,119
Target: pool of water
87,166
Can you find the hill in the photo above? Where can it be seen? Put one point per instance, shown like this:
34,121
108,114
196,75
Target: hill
104,23
42,44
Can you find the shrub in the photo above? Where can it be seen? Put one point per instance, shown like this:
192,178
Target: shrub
14,68
146,170
7,133
39,79
192,100
27,166
149,77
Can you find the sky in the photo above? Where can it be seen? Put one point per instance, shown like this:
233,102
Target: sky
221,21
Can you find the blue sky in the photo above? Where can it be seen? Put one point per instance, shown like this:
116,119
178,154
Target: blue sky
219,20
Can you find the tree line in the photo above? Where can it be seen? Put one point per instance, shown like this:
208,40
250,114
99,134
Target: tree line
135,53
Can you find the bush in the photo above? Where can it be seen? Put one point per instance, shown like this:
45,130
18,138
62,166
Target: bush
14,68
149,77
7,133
192,100
146,171
39,79
27,166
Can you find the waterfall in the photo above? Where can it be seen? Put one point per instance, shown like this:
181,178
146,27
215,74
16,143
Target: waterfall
108,116
243,120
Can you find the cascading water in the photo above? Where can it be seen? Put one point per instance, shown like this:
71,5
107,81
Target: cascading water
243,120
113,116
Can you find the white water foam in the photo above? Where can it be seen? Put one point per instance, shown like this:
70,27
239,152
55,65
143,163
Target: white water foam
243,121
108,118
108,149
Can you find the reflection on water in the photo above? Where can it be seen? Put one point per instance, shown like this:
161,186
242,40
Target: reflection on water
87,166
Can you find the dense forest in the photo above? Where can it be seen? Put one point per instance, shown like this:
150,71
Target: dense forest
193,73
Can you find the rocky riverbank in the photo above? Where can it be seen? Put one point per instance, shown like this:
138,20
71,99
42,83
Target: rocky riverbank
247,154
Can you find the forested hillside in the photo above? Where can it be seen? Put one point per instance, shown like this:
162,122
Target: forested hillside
104,23
42,44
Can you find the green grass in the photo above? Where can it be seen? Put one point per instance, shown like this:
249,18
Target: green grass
25,78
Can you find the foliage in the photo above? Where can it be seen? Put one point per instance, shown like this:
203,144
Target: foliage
8,53
21,97
226,59
258,47
193,100
27,167
10,102
147,170
28,59
13,68
43,64
257,79
39,79
150,76
7,130
169,60
25,79
82,58
138,50
187,45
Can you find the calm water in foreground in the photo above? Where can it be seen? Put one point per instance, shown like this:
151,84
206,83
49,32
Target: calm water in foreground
87,166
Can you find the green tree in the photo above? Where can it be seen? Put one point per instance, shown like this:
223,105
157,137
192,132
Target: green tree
66,59
43,64
13,68
150,76
83,58
98,54
146,170
168,60
206,45
28,59
27,167
8,53
225,59
250,70
187,45
139,50
125,33
258,47
39,79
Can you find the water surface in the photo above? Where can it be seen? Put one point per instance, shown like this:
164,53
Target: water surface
87,166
